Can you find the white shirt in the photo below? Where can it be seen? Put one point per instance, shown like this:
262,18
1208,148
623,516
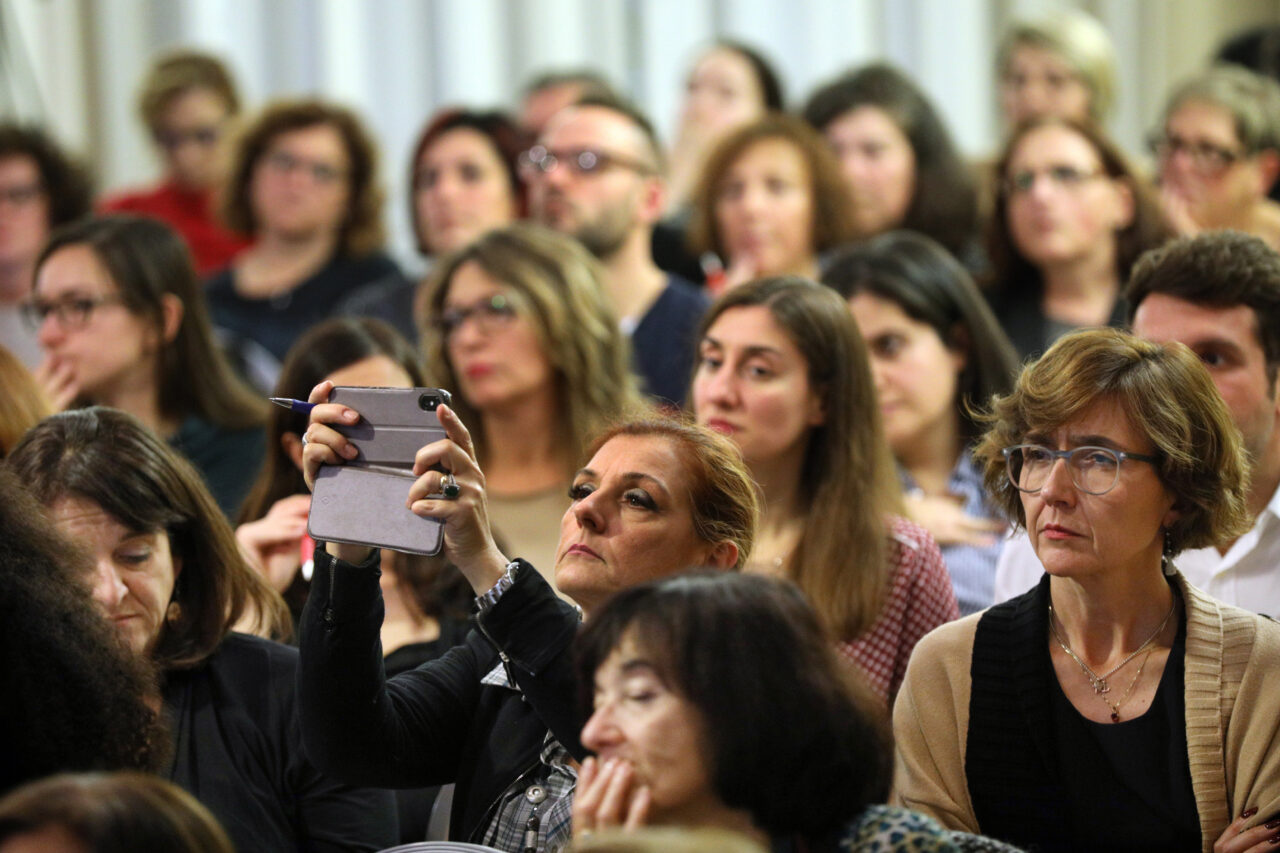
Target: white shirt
1247,576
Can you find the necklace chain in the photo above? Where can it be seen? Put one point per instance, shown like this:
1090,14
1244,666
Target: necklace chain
1115,707
1099,682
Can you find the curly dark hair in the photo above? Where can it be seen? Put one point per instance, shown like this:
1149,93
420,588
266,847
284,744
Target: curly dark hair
74,696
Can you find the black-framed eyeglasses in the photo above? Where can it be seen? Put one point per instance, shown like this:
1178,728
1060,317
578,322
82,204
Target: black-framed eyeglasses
490,315
540,160
1064,177
1094,470
286,163
1205,156
72,312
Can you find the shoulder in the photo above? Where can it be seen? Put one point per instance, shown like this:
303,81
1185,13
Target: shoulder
914,550
255,658
892,828
684,292
949,645
369,267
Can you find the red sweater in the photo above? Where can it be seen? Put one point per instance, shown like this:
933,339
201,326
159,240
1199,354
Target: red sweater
191,214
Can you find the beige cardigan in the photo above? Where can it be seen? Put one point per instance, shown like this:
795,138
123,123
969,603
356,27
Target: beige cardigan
1232,674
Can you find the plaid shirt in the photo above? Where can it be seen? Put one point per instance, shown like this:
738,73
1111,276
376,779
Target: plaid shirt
545,790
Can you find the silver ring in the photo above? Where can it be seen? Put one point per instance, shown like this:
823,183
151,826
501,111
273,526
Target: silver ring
304,439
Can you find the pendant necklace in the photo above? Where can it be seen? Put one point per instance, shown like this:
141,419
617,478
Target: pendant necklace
1099,682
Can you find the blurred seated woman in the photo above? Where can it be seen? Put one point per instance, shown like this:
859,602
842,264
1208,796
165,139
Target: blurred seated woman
770,201
1071,219
189,103
936,352
104,812
518,328
1114,706
496,715
73,697
783,372
169,576
716,701
123,323
24,401
901,168
304,185
464,181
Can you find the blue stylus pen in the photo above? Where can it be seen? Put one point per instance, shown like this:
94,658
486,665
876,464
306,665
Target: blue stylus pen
293,405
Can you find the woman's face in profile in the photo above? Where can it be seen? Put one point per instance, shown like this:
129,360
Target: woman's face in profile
631,521
639,719
461,189
134,571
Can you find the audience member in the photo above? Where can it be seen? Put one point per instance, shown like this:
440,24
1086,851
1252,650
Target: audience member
596,175
1059,65
106,813
24,401
745,722
1219,294
123,321
41,188
551,91
169,576
937,356
74,698
900,166
1218,152
517,327
771,200
783,371
304,183
188,102
1115,706
465,181
497,714
1071,218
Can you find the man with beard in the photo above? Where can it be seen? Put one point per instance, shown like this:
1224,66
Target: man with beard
597,175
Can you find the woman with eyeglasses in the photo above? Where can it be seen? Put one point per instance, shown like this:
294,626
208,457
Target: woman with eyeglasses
122,320
304,185
518,328
1218,153
1071,217
1114,706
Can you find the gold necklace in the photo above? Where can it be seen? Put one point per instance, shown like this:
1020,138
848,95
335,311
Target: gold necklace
1115,708
1099,682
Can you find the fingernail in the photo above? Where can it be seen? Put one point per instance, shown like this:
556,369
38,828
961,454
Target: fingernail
350,451
349,415
1275,839
1272,824
1249,812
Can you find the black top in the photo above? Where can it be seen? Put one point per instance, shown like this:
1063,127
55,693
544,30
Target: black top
276,322
1015,765
390,299
662,344
1019,307
437,723
238,750
1129,783
228,459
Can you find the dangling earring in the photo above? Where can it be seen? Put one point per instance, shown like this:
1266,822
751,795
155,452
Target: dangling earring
1166,556
173,613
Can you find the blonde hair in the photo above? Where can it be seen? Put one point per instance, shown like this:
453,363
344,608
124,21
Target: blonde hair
24,403
557,286
1080,41
1167,395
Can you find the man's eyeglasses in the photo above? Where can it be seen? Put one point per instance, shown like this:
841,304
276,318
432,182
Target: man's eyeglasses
1094,470
72,312
1065,177
540,160
490,315
1205,157
322,173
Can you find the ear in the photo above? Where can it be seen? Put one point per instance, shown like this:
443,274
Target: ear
723,556
1268,170
292,445
171,311
653,200
1126,205
1171,517
817,413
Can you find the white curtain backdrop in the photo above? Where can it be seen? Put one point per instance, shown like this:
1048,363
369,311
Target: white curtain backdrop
74,64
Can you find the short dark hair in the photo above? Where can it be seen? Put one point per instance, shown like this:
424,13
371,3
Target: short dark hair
108,457
362,229
66,182
944,200
628,110
929,285
771,94
75,697
791,738
1220,269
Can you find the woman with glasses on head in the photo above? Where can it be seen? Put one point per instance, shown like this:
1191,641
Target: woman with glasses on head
1071,218
304,185
123,323
1114,706
517,327
1218,153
